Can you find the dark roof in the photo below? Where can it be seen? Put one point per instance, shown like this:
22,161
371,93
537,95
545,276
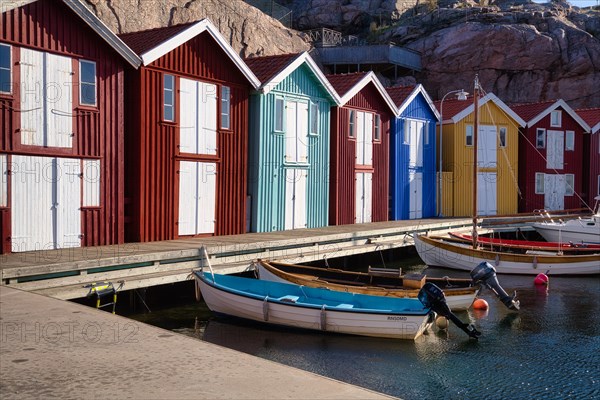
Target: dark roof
342,83
591,116
531,110
399,93
265,68
142,41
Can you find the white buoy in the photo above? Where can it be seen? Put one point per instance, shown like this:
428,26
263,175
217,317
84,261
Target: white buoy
441,322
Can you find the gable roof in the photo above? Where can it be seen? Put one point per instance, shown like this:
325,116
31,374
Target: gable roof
591,116
532,113
348,85
94,23
152,44
455,110
402,96
274,69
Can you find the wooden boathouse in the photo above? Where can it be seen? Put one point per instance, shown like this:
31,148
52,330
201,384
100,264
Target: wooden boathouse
413,189
289,144
62,116
360,129
187,140
591,156
551,146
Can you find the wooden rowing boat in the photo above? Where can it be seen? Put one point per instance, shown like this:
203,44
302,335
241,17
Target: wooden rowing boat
460,293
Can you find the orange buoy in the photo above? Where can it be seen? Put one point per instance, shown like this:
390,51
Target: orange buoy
480,304
541,279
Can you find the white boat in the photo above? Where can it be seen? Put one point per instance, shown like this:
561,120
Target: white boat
313,308
581,230
436,251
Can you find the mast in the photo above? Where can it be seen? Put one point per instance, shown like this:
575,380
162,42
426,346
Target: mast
475,134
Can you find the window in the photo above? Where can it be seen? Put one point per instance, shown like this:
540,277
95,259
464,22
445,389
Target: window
377,132
570,141
502,135
426,133
556,118
352,124
169,98
569,184
225,107
539,183
540,138
279,115
469,135
406,138
87,83
5,69
314,118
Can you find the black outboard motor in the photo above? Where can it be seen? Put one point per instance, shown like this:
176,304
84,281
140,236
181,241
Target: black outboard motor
433,297
486,273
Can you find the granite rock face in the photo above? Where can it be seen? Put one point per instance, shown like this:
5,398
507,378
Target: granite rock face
249,31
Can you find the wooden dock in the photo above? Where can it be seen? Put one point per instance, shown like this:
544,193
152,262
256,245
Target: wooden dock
64,273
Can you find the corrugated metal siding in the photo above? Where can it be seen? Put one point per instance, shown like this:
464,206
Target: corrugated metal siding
155,154
418,109
343,156
51,27
267,149
536,162
460,162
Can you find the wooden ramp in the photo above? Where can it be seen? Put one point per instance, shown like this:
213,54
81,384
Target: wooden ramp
64,273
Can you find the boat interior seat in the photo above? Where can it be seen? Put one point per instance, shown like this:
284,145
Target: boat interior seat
344,305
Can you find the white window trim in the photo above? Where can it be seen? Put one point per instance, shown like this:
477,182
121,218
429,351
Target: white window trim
87,83
426,134
542,176
569,189
466,135
537,132
10,69
164,98
223,111
352,124
313,118
558,124
282,99
572,134
376,128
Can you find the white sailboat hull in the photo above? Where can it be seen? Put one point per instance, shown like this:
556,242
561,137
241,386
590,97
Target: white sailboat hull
324,319
576,231
436,252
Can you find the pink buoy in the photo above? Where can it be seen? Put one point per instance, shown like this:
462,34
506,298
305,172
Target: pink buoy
480,304
541,279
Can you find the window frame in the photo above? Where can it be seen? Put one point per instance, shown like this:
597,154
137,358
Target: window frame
502,137
225,107
10,69
165,105
313,116
86,84
570,186
426,134
570,134
556,115
542,182
352,124
539,131
469,136
279,113
376,128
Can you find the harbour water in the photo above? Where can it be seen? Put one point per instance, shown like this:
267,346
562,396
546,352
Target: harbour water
550,349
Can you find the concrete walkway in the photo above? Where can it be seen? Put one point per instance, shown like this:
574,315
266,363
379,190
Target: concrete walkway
51,348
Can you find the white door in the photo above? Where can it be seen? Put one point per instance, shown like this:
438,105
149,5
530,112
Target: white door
364,197
486,193
415,180
296,132
45,203
295,199
487,146
198,117
554,192
197,197
3,180
555,146
32,97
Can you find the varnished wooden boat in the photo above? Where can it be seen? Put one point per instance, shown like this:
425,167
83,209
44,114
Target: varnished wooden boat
498,243
460,293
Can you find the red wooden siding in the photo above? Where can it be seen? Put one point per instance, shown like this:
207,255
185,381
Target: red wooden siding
50,26
343,160
592,159
153,154
531,162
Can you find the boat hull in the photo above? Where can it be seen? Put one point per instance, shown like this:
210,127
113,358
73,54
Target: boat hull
575,232
436,252
457,299
327,317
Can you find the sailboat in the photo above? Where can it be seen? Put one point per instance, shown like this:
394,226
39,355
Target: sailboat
448,253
